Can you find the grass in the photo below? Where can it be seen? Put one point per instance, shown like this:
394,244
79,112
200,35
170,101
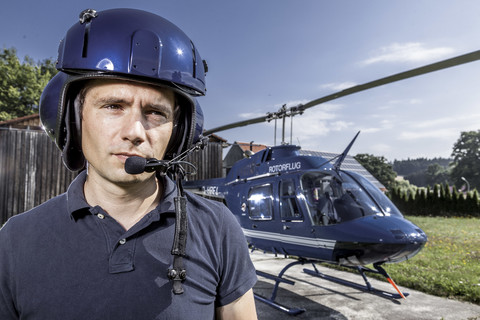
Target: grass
449,264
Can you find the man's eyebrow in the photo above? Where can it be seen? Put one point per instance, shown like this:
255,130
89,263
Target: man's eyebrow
159,106
118,100
111,100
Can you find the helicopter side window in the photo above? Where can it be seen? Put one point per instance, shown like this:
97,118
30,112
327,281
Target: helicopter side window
320,196
288,203
260,203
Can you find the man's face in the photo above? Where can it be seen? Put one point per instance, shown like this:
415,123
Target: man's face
121,119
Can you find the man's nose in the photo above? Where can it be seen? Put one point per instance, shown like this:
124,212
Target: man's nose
134,127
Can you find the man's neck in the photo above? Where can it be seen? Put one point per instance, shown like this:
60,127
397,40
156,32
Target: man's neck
126,204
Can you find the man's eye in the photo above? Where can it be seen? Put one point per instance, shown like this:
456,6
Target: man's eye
113,107
157,114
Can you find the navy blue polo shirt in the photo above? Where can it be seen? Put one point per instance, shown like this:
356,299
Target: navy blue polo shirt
67,260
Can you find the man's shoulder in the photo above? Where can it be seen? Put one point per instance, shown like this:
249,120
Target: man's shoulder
212,215
45,212
207,206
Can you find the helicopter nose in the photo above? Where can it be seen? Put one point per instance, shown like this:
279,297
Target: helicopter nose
411,234
413,238
386,239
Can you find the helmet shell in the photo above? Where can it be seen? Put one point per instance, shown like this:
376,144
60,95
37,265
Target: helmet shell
125,44
133,42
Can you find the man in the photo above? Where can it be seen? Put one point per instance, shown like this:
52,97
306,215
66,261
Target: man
117,245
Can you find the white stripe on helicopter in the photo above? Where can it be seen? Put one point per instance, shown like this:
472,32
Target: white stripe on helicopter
304,241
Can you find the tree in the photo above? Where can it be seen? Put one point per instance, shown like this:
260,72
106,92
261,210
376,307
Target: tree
21,83
466,160
378,167
436,173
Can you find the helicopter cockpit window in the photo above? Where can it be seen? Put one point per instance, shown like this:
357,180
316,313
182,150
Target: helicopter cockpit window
260,203
288,202
384,202
331,201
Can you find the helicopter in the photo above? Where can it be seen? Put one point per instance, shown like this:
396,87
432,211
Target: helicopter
308,208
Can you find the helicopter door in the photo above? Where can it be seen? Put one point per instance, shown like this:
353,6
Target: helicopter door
289,209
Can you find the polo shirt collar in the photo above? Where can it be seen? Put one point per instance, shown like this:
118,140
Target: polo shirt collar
76,203
77,206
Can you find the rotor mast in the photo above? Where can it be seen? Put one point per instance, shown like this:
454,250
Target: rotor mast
283,113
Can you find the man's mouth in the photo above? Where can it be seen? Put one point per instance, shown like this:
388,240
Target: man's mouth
123,156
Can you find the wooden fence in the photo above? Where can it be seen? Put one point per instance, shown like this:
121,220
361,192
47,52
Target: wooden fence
208,162
31,169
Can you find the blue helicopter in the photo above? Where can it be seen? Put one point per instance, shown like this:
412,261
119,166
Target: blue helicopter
310,209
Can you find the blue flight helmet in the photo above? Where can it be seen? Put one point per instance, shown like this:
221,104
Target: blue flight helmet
124,44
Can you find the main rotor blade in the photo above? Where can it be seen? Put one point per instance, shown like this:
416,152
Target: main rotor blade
452,62
236,125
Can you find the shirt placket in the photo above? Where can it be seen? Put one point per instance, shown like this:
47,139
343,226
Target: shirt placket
120,243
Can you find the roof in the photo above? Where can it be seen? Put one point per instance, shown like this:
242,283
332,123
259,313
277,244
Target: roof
251,146
215,138
32,121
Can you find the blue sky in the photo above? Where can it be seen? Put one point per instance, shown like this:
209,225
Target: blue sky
266,53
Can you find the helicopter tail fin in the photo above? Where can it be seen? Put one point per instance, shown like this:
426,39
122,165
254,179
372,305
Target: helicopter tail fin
344,154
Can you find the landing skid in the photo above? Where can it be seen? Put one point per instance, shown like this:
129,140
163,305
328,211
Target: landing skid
278,279
367,287
296,311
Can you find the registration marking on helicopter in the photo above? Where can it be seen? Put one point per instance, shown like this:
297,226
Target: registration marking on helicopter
304,241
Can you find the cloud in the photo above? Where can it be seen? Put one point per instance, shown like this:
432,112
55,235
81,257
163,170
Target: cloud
444,128
340,125
384,124
250,115
408,52
334,86
460,122
407,101
371,130
444,134
380,148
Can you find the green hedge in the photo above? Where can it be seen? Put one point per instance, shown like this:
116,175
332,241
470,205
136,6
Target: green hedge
442,200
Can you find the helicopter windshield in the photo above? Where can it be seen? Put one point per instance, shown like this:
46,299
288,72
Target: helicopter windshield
383,201
331,201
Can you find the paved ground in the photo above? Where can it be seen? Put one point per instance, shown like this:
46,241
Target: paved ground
327,300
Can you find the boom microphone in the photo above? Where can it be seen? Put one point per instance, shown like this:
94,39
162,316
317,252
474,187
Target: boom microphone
137,165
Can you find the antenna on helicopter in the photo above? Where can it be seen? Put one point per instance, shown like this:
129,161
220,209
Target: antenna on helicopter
344,154
341,157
